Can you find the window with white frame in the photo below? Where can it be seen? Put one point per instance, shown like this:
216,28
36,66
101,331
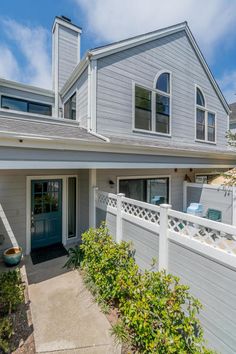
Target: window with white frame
152,106
205,120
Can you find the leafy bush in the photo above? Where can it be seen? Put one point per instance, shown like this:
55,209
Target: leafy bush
6,331
75,257
11,291
157,312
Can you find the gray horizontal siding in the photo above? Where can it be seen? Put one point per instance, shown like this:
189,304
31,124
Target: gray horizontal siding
109,219
144,241
215,286
214,199
67,53
13,201
141,64
26,95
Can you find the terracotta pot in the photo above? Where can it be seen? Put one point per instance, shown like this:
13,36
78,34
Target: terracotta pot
12,256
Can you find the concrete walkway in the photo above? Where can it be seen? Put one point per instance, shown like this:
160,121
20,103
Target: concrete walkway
65,317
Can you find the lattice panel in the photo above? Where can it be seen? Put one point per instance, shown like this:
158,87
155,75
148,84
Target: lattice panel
141,212
103,201
216,238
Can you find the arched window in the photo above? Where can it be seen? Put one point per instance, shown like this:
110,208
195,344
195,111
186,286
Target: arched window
162,98
200,101
205,120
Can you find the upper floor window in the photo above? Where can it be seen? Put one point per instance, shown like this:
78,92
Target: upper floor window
18,104
205,120
152,106
70,108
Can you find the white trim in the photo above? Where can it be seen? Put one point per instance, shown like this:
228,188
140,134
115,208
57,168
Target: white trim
153,91
56,67
79,69
120,178
93,93
66,24
64,179
89,123
92,201
206,112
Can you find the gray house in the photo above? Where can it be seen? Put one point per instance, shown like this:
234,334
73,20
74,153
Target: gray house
138,116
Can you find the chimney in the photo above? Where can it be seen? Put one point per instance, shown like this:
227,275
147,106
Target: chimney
65,53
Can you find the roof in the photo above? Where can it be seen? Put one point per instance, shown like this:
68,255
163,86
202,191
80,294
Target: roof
115,47
50,129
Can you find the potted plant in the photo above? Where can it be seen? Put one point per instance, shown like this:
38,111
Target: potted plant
12,256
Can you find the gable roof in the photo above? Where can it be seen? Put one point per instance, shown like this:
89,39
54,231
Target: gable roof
115,47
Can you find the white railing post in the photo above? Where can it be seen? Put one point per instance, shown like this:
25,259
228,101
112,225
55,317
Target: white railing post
163,237
185,184
119,235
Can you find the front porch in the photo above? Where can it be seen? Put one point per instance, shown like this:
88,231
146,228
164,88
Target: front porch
51,206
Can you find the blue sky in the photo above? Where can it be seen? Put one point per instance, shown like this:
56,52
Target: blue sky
25,25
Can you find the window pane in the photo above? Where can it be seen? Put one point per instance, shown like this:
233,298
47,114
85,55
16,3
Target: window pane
162,114
158,191
211,127
70,108
150,190
40,109
15,104
200,99
71,207
133,188
163,82
143,104
200,124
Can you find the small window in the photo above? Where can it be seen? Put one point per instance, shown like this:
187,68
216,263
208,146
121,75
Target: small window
18,104
150,190
70,108
163,83
205,120
143,108
200,98
162,114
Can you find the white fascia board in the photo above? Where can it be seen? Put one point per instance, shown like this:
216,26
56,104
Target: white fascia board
59,143
52,165
131,42
26,88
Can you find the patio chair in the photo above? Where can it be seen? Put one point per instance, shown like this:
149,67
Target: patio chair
213,214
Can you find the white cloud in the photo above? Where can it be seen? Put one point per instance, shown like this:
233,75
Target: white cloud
33,45
228,85
9,68
210,20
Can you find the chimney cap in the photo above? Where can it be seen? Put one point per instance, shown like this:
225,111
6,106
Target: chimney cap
66,21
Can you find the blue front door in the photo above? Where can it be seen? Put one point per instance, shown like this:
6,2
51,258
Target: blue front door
46,212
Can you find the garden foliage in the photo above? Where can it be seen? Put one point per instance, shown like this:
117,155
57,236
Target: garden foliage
157,313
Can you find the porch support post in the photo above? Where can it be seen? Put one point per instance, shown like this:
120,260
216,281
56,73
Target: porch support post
185,196
119,235
92,197
163,237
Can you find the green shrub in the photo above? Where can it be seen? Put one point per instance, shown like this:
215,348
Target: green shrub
157,312
75,257
11,291
6,331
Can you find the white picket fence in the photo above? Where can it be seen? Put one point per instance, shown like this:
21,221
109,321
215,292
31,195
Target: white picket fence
215,239
199,251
